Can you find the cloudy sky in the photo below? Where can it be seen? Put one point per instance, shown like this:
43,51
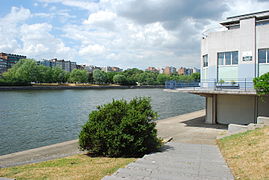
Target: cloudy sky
124,33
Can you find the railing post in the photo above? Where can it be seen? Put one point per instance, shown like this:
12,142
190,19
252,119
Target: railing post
245,84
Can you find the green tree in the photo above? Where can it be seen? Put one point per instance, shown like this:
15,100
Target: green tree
24,71
195,76
78,76
132,72
44,74
261,84
121,129
120,79
110,76
147,78
99,76
161,78
90,77
58,75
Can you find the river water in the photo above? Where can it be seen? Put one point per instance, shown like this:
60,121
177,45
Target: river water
35,118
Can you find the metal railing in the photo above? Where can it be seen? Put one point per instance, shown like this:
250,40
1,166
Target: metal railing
241,84
181,84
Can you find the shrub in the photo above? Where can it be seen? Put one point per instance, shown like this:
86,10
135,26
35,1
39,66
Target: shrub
121,129
261,84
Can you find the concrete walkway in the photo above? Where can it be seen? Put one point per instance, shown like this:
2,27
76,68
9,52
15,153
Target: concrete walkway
192,154
177,161
40,154
190,128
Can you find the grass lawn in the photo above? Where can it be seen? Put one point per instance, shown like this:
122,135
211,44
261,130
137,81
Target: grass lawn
247,154
73,167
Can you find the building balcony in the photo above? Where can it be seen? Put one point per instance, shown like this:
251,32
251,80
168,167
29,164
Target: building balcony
242,87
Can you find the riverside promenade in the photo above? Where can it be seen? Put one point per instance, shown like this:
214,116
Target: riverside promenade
191,154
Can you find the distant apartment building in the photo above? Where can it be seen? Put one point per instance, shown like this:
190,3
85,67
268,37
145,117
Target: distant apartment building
91,68
152,69
187,71
170,70
161,70
181,71
62,64
8,60
111,69
195,70
81,67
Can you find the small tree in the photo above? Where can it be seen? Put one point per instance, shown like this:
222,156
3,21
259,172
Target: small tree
261,84
121,129
120,79
78,76
99,76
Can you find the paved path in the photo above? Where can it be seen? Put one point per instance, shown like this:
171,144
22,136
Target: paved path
190,128
178,161
192,154
40,154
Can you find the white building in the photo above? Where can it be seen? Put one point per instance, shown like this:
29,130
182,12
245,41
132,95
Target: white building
230,60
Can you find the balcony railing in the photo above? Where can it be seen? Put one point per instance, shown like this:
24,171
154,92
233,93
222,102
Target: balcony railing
242,85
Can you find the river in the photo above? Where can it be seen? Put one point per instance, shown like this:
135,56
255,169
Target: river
35,118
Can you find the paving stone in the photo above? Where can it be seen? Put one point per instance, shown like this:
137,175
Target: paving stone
178,161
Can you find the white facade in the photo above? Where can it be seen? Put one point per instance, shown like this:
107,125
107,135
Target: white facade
230,60
237,53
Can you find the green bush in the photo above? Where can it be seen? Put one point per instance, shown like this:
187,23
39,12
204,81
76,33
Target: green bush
121,129
261,84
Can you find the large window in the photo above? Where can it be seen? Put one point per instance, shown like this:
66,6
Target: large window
205,60
263,55
228,58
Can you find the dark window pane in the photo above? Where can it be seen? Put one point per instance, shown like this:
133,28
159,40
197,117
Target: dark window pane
235,57
227,58
205,60
262,55
220,58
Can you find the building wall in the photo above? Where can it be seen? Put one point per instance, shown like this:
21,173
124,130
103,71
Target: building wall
246,40
262,39
236,109
263,106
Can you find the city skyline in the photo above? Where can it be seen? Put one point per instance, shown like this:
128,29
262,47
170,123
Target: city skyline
111,33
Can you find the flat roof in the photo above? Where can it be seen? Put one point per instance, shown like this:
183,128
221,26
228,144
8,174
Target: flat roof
249,14
233,20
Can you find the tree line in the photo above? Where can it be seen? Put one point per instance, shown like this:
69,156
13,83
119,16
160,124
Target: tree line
27,70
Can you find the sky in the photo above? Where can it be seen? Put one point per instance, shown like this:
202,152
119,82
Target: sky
123,33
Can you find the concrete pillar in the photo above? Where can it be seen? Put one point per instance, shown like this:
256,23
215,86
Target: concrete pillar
211,109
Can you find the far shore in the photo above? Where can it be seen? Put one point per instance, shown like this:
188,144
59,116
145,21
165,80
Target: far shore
74,86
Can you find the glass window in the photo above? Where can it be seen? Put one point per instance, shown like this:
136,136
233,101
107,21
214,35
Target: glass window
228,58
235,57
220,58
262,55
205,60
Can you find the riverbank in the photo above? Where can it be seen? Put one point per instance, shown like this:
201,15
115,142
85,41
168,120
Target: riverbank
62,87
186,128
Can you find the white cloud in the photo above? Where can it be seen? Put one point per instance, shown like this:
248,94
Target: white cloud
9,35
126,33
34,40
92,50
38,42
92,6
